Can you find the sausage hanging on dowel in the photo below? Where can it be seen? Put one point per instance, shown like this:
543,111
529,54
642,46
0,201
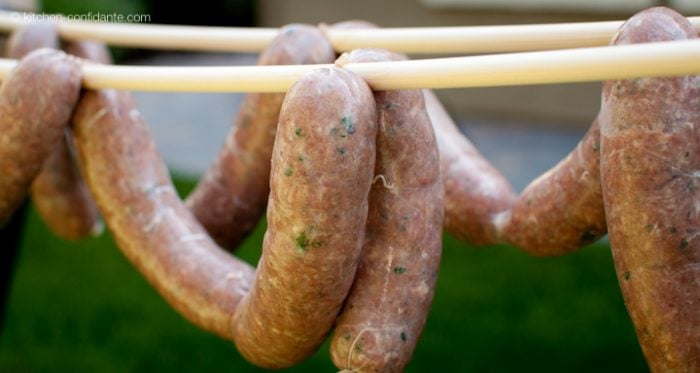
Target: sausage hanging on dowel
36,101
562,210
59,193
150,224
475,191
90,51
31,37
232,195
386,309
322,169
316,215
650,142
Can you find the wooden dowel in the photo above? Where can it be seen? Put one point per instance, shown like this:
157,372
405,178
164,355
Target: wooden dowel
672,58
467,39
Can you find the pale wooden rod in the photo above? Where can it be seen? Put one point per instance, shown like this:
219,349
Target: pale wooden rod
673,58
417,40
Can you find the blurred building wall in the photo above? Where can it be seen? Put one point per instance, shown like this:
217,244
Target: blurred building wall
573,103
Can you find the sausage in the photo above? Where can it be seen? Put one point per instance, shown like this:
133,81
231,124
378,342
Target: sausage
30,37
322,167
476,193
388,304
59,193
36,101
62,198
650,137
562,209
89,50
231,196
151,225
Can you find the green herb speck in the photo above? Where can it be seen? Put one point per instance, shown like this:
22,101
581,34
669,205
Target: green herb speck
302,242
626,275
297,132
341,151
388,105
649,227
596,147
347,336
403,336
348,124
399,270
684,244
288,171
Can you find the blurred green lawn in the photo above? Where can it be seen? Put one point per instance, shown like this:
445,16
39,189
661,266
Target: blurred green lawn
80,307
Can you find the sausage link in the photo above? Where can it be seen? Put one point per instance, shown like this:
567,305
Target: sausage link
36,101
231,196
650,142
149,222
62,198
91,51
30,37
561,210
476,193
59,193
322,168
386,309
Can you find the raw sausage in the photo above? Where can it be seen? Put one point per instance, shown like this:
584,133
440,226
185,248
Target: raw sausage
322,168
149,222
30,37
91,51
36,101
231,196
476,193
59,193
321,175
561,210
650,142
386,309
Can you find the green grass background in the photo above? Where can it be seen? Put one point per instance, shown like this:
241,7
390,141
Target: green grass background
80,307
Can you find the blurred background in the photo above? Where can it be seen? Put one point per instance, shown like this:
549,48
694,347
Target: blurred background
81,307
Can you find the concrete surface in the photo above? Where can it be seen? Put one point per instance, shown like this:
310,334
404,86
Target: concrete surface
190,127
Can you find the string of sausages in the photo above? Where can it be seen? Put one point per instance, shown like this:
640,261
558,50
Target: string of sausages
356,185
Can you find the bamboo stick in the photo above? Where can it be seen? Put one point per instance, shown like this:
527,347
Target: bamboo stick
673,58
467,39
